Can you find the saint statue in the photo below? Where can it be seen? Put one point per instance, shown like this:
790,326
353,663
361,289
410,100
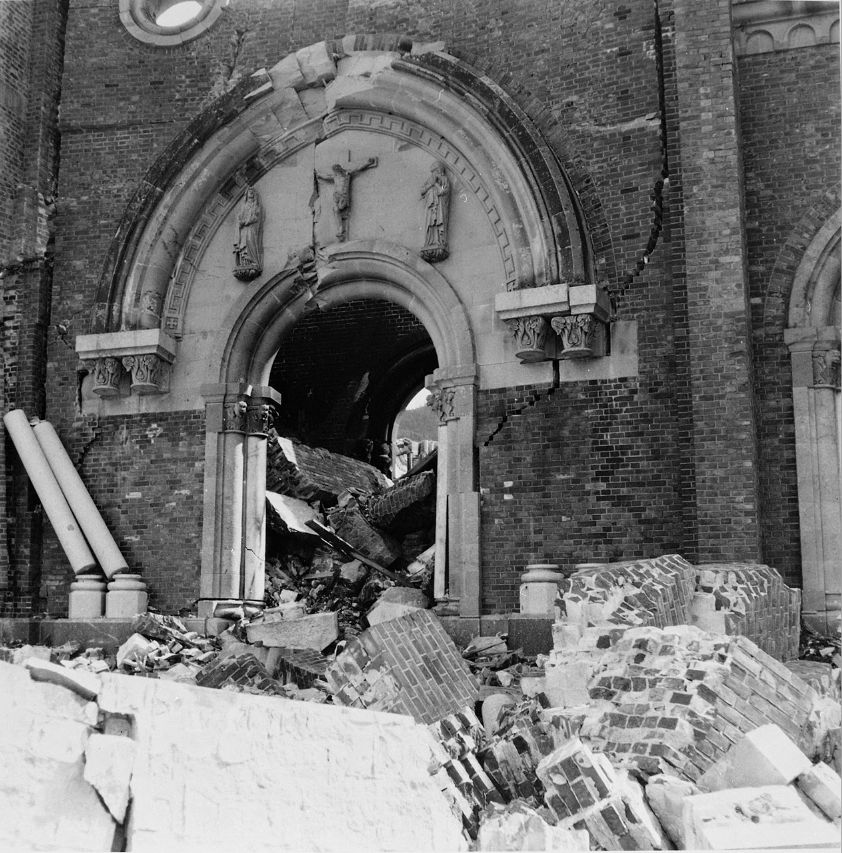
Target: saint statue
436,195
340,177
248,248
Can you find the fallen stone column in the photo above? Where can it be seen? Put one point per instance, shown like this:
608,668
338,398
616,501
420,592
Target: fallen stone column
49,492
101,541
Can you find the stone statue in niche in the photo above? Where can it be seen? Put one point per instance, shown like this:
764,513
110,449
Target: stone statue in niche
248,247
436,195
340,177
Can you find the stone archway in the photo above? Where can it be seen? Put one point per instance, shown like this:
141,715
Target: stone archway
176,328
813,338
235,458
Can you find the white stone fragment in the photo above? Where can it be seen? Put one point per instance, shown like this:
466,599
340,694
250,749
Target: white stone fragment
665,795
765,756
823,786
770,817
109,760
45,802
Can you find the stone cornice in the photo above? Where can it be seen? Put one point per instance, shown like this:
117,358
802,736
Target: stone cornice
766,26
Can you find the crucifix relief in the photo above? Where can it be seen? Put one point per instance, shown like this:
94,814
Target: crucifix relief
340,176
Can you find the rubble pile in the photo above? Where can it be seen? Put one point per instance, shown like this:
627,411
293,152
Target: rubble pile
340,533
633,733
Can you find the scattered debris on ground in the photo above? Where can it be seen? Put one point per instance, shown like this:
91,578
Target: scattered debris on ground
642,728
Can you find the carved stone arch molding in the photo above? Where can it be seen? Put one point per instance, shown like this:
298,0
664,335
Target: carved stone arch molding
176,327
813,338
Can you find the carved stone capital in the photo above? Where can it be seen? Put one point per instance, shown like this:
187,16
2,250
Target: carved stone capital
826,368
148,372
580,336
260,416
106,374
235,416
530,334
146,354
443,402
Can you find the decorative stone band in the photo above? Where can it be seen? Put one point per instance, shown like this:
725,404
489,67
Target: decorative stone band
237,407
576,313
764,26
144,356
815,354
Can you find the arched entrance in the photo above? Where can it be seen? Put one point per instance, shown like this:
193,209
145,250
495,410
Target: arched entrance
813,340
399,175
234,530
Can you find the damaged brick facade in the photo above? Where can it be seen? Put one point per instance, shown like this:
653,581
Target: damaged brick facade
685,445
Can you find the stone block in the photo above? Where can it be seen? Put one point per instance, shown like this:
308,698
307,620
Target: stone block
516,826
765,756
566,685
109,760
532,634
290,515
203,756
316,631
665,795
46,802
823,786
396,601
769,817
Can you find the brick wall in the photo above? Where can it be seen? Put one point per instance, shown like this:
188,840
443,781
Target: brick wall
592,469
601,470
146,475
790,126
320,367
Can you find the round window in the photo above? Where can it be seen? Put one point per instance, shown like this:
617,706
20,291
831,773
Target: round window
169,22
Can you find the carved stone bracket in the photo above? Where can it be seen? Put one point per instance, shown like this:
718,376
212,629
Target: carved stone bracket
106,373
580,336
530,334
143,355
147,372
577,313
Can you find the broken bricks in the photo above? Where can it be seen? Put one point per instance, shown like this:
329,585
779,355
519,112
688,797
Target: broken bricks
407,665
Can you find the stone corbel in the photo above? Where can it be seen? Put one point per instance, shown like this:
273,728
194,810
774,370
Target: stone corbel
144,355
530,313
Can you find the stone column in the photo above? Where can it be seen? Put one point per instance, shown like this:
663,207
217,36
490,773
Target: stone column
457,499
259,419
233,532
815,357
